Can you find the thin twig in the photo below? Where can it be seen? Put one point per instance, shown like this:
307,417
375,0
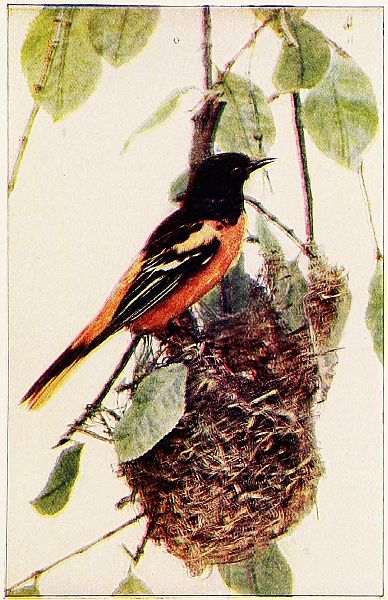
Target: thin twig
304,172
368,205
136,556
94,435
337,48
247,45
91,409
36,106
81,550
307,250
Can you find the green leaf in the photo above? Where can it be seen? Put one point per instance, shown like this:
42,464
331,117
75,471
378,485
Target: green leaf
235,289
178,187
157,405
119,34
304,58
27,590
132,585
375,309
286,282
340,114
246,123
161,114
75,68
266,574
60,483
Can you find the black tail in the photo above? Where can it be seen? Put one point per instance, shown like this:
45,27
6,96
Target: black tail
49,382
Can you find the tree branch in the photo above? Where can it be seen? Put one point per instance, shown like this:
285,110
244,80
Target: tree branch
81,550
307,250
206,48
206,118
304,172
92,408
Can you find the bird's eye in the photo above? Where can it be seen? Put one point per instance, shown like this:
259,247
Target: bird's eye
236,171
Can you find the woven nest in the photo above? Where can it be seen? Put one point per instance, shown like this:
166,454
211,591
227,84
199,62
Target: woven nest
241,468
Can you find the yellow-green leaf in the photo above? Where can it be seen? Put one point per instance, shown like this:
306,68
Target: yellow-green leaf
304,58
157,405
119,34
276,22
340,114
27,590
60,483
161,114
265,574
132,586
375,309
74,69
246,123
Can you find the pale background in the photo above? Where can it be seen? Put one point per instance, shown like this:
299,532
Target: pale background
77,216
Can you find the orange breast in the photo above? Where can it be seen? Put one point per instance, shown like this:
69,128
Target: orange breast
200,283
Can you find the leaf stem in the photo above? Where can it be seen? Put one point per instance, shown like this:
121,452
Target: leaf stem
36,106
304,172
92,408
360,172
81,550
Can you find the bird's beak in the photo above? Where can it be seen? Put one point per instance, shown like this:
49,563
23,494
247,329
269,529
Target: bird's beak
258,164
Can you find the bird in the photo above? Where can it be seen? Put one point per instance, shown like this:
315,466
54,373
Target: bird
186,256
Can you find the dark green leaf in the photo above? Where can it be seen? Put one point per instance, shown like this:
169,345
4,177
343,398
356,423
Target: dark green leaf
119,34
75,68
132,586
157,405
374,311
162,113
266,574
235,289
178,186
340,114
60,483
286,282
304,58
230,297
27,590
246,123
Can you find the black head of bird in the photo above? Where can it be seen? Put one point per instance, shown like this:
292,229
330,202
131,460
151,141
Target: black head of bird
216,188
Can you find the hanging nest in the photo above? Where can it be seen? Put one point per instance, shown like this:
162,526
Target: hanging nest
241,467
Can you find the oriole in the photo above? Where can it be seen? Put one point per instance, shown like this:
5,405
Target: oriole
183,259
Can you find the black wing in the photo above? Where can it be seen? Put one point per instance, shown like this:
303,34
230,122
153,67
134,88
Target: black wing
166,266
